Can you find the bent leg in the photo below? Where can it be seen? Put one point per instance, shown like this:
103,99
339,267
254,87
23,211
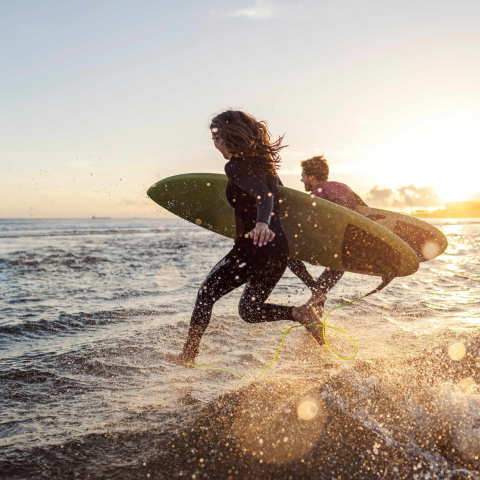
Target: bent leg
328,279
252,307
300,270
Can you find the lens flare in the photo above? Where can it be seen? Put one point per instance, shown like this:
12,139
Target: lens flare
457,351
307,410
265,425
467,385
431,250
168,278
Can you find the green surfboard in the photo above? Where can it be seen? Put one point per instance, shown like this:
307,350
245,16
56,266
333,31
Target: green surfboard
318,232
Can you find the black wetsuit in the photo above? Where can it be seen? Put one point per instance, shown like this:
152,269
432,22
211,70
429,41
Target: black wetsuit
253,193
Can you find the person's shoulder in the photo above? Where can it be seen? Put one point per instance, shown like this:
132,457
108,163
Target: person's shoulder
231,164
333,182
236,166
320,189
338,185
228,166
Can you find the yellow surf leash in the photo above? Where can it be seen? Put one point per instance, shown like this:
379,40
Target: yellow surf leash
323,325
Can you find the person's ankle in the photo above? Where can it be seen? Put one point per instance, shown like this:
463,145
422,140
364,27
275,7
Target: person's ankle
188,356
303,314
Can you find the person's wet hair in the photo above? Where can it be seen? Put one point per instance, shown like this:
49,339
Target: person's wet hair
316,166
246,137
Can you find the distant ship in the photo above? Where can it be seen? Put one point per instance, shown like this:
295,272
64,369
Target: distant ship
100,218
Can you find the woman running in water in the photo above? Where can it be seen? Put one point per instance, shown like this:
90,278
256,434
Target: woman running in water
260,252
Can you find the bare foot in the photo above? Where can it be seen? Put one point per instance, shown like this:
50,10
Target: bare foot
179,359
306,315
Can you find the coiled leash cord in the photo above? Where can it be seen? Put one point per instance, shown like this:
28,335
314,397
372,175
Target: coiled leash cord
385,281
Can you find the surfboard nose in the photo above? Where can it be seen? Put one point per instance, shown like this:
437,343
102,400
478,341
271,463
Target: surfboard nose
158,192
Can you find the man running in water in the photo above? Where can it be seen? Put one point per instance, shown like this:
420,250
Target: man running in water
315,173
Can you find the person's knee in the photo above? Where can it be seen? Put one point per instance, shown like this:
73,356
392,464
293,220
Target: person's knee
251,312
206,297
246,310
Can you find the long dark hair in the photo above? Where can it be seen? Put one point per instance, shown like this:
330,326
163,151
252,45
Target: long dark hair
246,137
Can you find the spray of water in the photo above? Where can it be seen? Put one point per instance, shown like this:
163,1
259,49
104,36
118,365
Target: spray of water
323,325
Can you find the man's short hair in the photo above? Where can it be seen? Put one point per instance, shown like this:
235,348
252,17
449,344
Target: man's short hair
316,166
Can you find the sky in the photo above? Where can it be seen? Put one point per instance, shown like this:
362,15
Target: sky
101,99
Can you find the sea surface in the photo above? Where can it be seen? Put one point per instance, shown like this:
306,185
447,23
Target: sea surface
89,308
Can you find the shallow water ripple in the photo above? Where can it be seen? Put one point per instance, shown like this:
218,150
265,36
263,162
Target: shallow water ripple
88,309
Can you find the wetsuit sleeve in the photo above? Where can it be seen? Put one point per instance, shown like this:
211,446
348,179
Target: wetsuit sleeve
239,174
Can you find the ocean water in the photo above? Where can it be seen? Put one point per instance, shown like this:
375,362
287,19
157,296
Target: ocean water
89,308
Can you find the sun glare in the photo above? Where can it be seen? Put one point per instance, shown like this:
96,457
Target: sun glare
438,151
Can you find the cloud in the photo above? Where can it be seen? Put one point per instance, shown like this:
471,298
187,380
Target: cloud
416,197
377,197
258,11
266,9
406,196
